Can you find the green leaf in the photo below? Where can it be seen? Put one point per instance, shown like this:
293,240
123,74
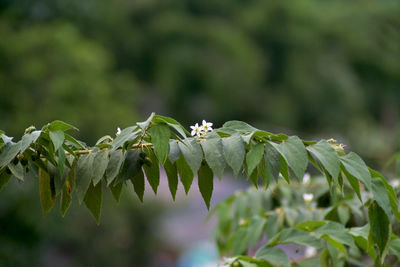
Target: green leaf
57,137
353,182
273,255
47,193
254,157
394,247
60,125
147,122
356,167
294,153
160,138
72,140
255,230
61,161
100,163
380,228
238,126
152,171
273,162
299,237
337,232
213,153
173,124
116,190
309,225
205,181
234,152
132,165
185,173
174,151
327,156
114,165
93,199
284,169
83,175
126,134
192,152
9,153
172,174
238,246
65,199
28,139
381,196
138,184
5,176
17,170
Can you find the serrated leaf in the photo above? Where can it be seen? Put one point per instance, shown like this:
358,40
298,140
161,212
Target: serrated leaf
327,156
160,138
254,157
380,228
93,199
205,182
9,153
114,165
273,255
356,167
212,148
131,166
100,163
138,184
60,125
234,152
192,152
47,193
5,176
28,139
152,171
57,137
185,173
116,190
83,175
294,153
172,175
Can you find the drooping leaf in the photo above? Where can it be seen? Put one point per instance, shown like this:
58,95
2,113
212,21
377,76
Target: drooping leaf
254,157
100,163
114,165
353,182
234,152
239,247
174,151
380,228
255,230
205,181
152,171
61,161
273,162
294,153
116,190
213,153
5,176
57,137
356,167
172,175
28,139
9,153
381,196
273,255
93,199
185,173
192,152
131,166
138,184
327,156
17,170
66,199
83,175
160,138
47,193
126,134
173,124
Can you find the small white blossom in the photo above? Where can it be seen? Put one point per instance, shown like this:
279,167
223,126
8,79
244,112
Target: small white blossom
118,131
395,183
306,178
310,251
308,197
207,126
196,130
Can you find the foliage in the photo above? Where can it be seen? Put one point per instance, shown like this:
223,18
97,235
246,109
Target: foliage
66,168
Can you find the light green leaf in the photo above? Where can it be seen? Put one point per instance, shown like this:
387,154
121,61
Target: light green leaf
273,255
46,189
394,247
294,153
213,152
337,232
28,139
152,171
160,138
185,173
100,163
57,137
238,126
93,199
9,153
239,246
205,181
172,174
114,165
138,184
299,237
83,175
327,156
255,230
356,167
234,152
254,157
192,152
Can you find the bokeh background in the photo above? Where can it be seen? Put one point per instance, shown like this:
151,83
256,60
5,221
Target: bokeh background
314,68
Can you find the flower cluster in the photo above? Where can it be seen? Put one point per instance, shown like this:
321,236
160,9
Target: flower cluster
201,130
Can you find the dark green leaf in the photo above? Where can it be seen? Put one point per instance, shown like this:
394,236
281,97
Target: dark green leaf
160,138
65,199
93,199
327,156
234,151
132,165
47,193
380,228
116,190
254,157
61,161
192,152
17,170
114,165
172,174
60,125
152,171
138,184
83,175
172,123
100,163
273,255
353,182
174,151
381,196
185,173
5,176
205,181
126,134
273,162
57,137
357,168
212,148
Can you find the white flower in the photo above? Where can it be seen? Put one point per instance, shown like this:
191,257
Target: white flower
196,130
306,178
394,183
118,131
308,197
310,251
207,126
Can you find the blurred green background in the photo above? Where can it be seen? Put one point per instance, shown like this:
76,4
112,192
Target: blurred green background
314,68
